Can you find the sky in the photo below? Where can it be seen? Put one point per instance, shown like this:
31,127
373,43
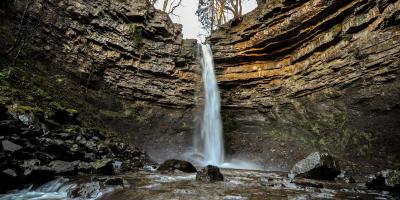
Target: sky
186,15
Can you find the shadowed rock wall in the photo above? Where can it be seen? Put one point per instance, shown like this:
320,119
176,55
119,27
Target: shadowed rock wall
131,70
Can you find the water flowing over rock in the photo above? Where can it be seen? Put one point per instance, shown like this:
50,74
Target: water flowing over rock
317,166
212,143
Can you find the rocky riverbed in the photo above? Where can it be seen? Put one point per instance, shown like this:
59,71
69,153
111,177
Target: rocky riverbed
35,148
237,184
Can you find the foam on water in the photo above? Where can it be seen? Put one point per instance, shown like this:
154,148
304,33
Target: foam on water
57,189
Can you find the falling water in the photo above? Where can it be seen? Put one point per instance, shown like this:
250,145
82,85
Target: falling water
211,127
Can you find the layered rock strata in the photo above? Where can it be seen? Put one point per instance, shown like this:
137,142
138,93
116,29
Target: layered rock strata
321,73
133,47
126,47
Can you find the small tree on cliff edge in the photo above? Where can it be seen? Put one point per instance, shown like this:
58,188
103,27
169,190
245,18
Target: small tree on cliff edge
214,13
168,6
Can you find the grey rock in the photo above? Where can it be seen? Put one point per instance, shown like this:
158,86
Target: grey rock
104,167
86,191
64,168
209,174
86,168
317,165
385,180
9,179
10,146
181,165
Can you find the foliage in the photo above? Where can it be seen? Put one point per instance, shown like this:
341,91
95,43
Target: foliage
333,132
136,35
5,74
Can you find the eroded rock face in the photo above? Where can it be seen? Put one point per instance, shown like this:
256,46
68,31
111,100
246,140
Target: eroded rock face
127,60
133,47
312,74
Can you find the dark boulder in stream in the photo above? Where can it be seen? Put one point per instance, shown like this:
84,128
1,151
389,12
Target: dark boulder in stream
10,177
388,180
181,165
321,166
209,174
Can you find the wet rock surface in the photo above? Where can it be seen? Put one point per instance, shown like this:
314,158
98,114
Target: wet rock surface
34,153
317,165
173,164
238,184
209,174
86,191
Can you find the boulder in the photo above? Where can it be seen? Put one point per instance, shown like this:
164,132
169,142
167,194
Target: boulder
58,148
10,146
103,167
85,191
209,174
36,174
110,181
65,116
321,166
388,180
64,168
345,176
9,180
85,168
27,118
181,165
3,113
8,127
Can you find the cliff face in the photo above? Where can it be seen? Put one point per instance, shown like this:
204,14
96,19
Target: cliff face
316,74
125,47
133,47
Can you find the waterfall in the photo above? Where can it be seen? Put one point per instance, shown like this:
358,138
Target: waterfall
211,128
208,144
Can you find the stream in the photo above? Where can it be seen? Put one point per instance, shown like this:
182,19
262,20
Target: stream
238,184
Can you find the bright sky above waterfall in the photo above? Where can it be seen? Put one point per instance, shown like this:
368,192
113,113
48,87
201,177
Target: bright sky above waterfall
187,17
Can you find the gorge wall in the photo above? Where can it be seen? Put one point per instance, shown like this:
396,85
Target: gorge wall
298,76
295,76
122,64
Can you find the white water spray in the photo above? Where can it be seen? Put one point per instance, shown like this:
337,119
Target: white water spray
211,128
209,142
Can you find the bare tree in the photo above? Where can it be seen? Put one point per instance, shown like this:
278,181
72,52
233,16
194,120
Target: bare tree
214,13
168,6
